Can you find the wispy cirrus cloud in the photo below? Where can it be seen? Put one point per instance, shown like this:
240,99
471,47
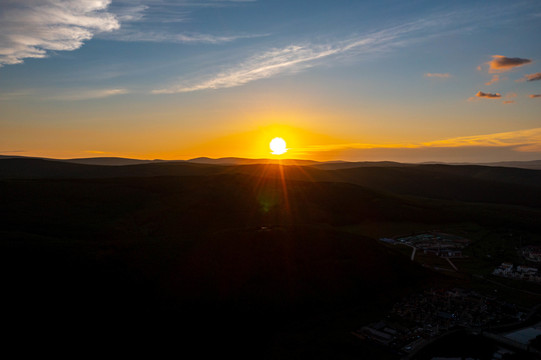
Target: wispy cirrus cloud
208,3
157,21
11,151
33,30
495,79
528,140
530,77
509,96
165,11
150,11
286,60
438,75
185,38
14,95
522,140
75,95
297,57
129,12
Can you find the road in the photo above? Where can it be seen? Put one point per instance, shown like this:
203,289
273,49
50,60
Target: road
451,263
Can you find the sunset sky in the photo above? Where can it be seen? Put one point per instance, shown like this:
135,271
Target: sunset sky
358,80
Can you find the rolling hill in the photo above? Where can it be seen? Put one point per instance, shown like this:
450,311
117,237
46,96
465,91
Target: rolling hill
143,253
167,251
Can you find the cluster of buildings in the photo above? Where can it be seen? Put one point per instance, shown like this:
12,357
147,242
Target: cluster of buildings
439,244
519,272
425,316
532,253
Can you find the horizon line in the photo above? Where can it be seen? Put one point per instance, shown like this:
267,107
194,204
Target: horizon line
4,156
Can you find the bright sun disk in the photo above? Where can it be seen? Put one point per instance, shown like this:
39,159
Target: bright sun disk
278,146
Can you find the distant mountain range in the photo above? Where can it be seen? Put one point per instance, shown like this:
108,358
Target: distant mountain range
470,183
534,164
323,165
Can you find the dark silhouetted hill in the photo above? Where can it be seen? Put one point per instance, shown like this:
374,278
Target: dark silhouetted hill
462,183
470,183
26,168
496,185
243,161
534,164
111,161
156,258
348,165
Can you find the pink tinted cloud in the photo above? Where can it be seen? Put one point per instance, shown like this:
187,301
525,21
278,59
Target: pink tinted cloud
488,95
500,63
530,77
495,79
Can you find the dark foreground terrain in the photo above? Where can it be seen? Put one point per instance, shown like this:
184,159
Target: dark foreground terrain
253,260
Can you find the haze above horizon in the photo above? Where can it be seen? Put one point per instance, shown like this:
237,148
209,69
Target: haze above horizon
341,80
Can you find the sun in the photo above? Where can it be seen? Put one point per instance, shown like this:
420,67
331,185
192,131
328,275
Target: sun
278,146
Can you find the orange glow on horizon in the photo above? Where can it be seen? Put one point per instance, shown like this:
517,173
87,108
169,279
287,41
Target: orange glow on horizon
255,144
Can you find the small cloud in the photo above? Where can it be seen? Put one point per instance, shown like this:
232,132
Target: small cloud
495,79
508,102
500,63
488,95
533,96
8,96
530,77
438,75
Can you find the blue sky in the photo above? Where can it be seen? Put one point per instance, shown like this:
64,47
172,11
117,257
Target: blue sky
363,80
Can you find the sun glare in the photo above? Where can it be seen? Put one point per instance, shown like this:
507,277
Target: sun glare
278,146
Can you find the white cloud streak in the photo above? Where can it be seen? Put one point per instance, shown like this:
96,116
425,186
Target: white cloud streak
31,29
294,58
150,21
89,94
521,140
188,38
131,13
15,95
165,11
289,59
